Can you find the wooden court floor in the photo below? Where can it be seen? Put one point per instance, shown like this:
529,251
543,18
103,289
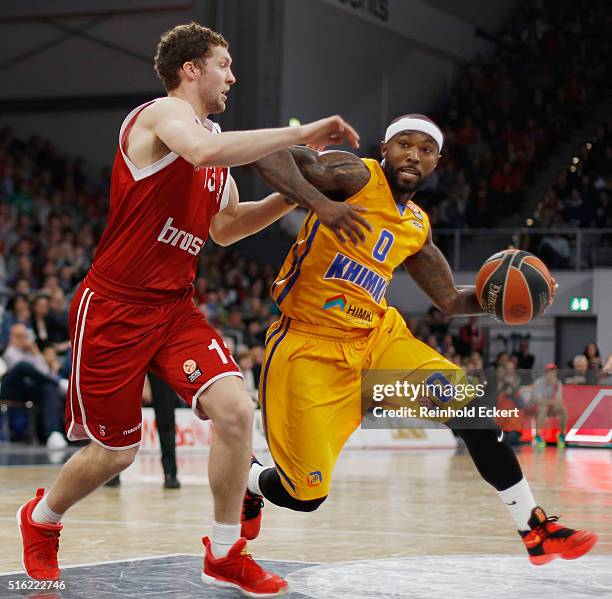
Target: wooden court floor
385,506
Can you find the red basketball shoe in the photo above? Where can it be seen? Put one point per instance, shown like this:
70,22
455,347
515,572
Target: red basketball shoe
251,515
251,512
238,570
40,542
548,540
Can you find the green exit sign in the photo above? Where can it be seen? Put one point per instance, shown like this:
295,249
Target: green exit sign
580,304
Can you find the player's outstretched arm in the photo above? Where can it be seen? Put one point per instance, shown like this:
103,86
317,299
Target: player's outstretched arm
432,273
302,174
239,220
173,121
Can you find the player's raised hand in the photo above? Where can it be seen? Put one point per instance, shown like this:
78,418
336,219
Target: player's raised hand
344,219
330,131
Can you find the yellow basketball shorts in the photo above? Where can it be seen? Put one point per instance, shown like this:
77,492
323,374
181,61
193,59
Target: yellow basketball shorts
311,385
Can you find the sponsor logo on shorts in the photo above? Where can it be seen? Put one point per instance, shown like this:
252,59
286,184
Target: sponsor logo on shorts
189,366
314,479
102,430
132,430
352,312
359,314
191,370
338,301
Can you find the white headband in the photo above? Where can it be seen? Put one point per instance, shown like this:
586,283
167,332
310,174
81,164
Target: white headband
409,124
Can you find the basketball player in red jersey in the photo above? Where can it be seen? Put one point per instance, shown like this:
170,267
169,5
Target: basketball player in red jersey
134,312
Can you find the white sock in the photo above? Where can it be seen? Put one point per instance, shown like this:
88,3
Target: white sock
519,501
44,514
253,481
224,537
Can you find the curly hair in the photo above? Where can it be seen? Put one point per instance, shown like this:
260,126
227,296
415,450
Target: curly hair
181,44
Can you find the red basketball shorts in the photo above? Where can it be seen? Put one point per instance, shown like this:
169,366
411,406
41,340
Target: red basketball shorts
115,343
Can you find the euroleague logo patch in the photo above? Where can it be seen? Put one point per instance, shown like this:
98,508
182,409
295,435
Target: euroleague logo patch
415,210
191,370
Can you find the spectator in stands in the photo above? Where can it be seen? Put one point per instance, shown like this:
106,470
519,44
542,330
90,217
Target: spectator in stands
509,398
607,372
602,216
235,328
17,311
471,338
506,184
245,363
510,380
525,358
437,323
547,398
525,361
474,367
554,249
432,341
591,352
447,346
257,353
47,329
30,377
582,375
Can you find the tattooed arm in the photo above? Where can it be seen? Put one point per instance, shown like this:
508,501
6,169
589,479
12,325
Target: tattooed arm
302,175
432,273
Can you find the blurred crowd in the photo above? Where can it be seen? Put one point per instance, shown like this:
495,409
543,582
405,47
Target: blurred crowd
51,218
508,113
503,118
542,397
519,380
580,197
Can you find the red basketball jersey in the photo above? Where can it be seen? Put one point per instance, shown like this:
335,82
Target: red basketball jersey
158,221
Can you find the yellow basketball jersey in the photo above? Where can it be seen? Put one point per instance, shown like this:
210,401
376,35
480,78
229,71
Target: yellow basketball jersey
326,282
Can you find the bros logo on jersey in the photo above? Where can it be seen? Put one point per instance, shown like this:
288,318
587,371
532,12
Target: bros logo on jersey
171,235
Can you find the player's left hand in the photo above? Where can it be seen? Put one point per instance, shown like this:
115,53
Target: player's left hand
344,219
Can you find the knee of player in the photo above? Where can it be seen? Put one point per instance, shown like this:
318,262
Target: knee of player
237,419
125,457
309,505
118,460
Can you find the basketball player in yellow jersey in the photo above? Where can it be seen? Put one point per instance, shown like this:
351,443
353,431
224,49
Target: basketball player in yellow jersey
336,323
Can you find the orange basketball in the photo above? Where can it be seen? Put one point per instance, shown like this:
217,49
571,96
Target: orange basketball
513,286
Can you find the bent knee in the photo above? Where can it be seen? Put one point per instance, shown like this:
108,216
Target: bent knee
307,505
117,460
236,419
